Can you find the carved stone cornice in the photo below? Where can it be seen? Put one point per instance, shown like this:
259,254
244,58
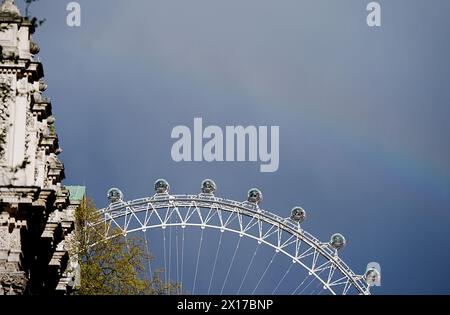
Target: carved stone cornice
50,142
49,230
16,195
11,222
62,198
45,197
41,106
59,256
23,66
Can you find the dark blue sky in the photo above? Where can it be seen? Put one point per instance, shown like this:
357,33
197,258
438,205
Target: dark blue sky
363,113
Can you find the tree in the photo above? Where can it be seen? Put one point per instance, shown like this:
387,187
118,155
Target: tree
110,263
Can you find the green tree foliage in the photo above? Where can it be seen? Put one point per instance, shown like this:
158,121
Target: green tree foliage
110,263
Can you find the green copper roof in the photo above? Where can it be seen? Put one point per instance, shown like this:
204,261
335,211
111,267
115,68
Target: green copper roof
77,193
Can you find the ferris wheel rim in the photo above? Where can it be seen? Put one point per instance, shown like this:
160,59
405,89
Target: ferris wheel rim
120,209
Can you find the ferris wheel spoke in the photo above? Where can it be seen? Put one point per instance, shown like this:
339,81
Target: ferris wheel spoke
147,250
176,248
320,292
126,243
231,265
316,288
165,263
305,287
282,279
215,263
182,260
303,290
170,253
248,268
301,283
264,273
198,259
314,278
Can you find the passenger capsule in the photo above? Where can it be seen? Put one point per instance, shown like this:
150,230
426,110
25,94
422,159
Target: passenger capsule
254,196
114,195
337,241
298,214
372,276
208,186
162,187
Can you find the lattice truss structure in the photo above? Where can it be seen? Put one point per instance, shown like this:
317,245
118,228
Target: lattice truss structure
246,219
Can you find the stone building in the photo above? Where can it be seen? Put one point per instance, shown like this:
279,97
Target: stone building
36,213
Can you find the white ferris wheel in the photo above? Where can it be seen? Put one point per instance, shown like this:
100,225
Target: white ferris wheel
212,245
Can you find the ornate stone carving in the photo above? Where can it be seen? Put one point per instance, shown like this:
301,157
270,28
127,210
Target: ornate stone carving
14,240
42,85
8,6
23,87
34,48
12,283
5,97
30,120
4,238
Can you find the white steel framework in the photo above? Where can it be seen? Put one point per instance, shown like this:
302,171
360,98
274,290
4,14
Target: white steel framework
247,219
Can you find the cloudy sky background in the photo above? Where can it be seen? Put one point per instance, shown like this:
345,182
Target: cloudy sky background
363,113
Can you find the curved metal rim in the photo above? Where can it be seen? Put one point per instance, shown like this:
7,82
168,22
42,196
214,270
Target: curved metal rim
115,210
